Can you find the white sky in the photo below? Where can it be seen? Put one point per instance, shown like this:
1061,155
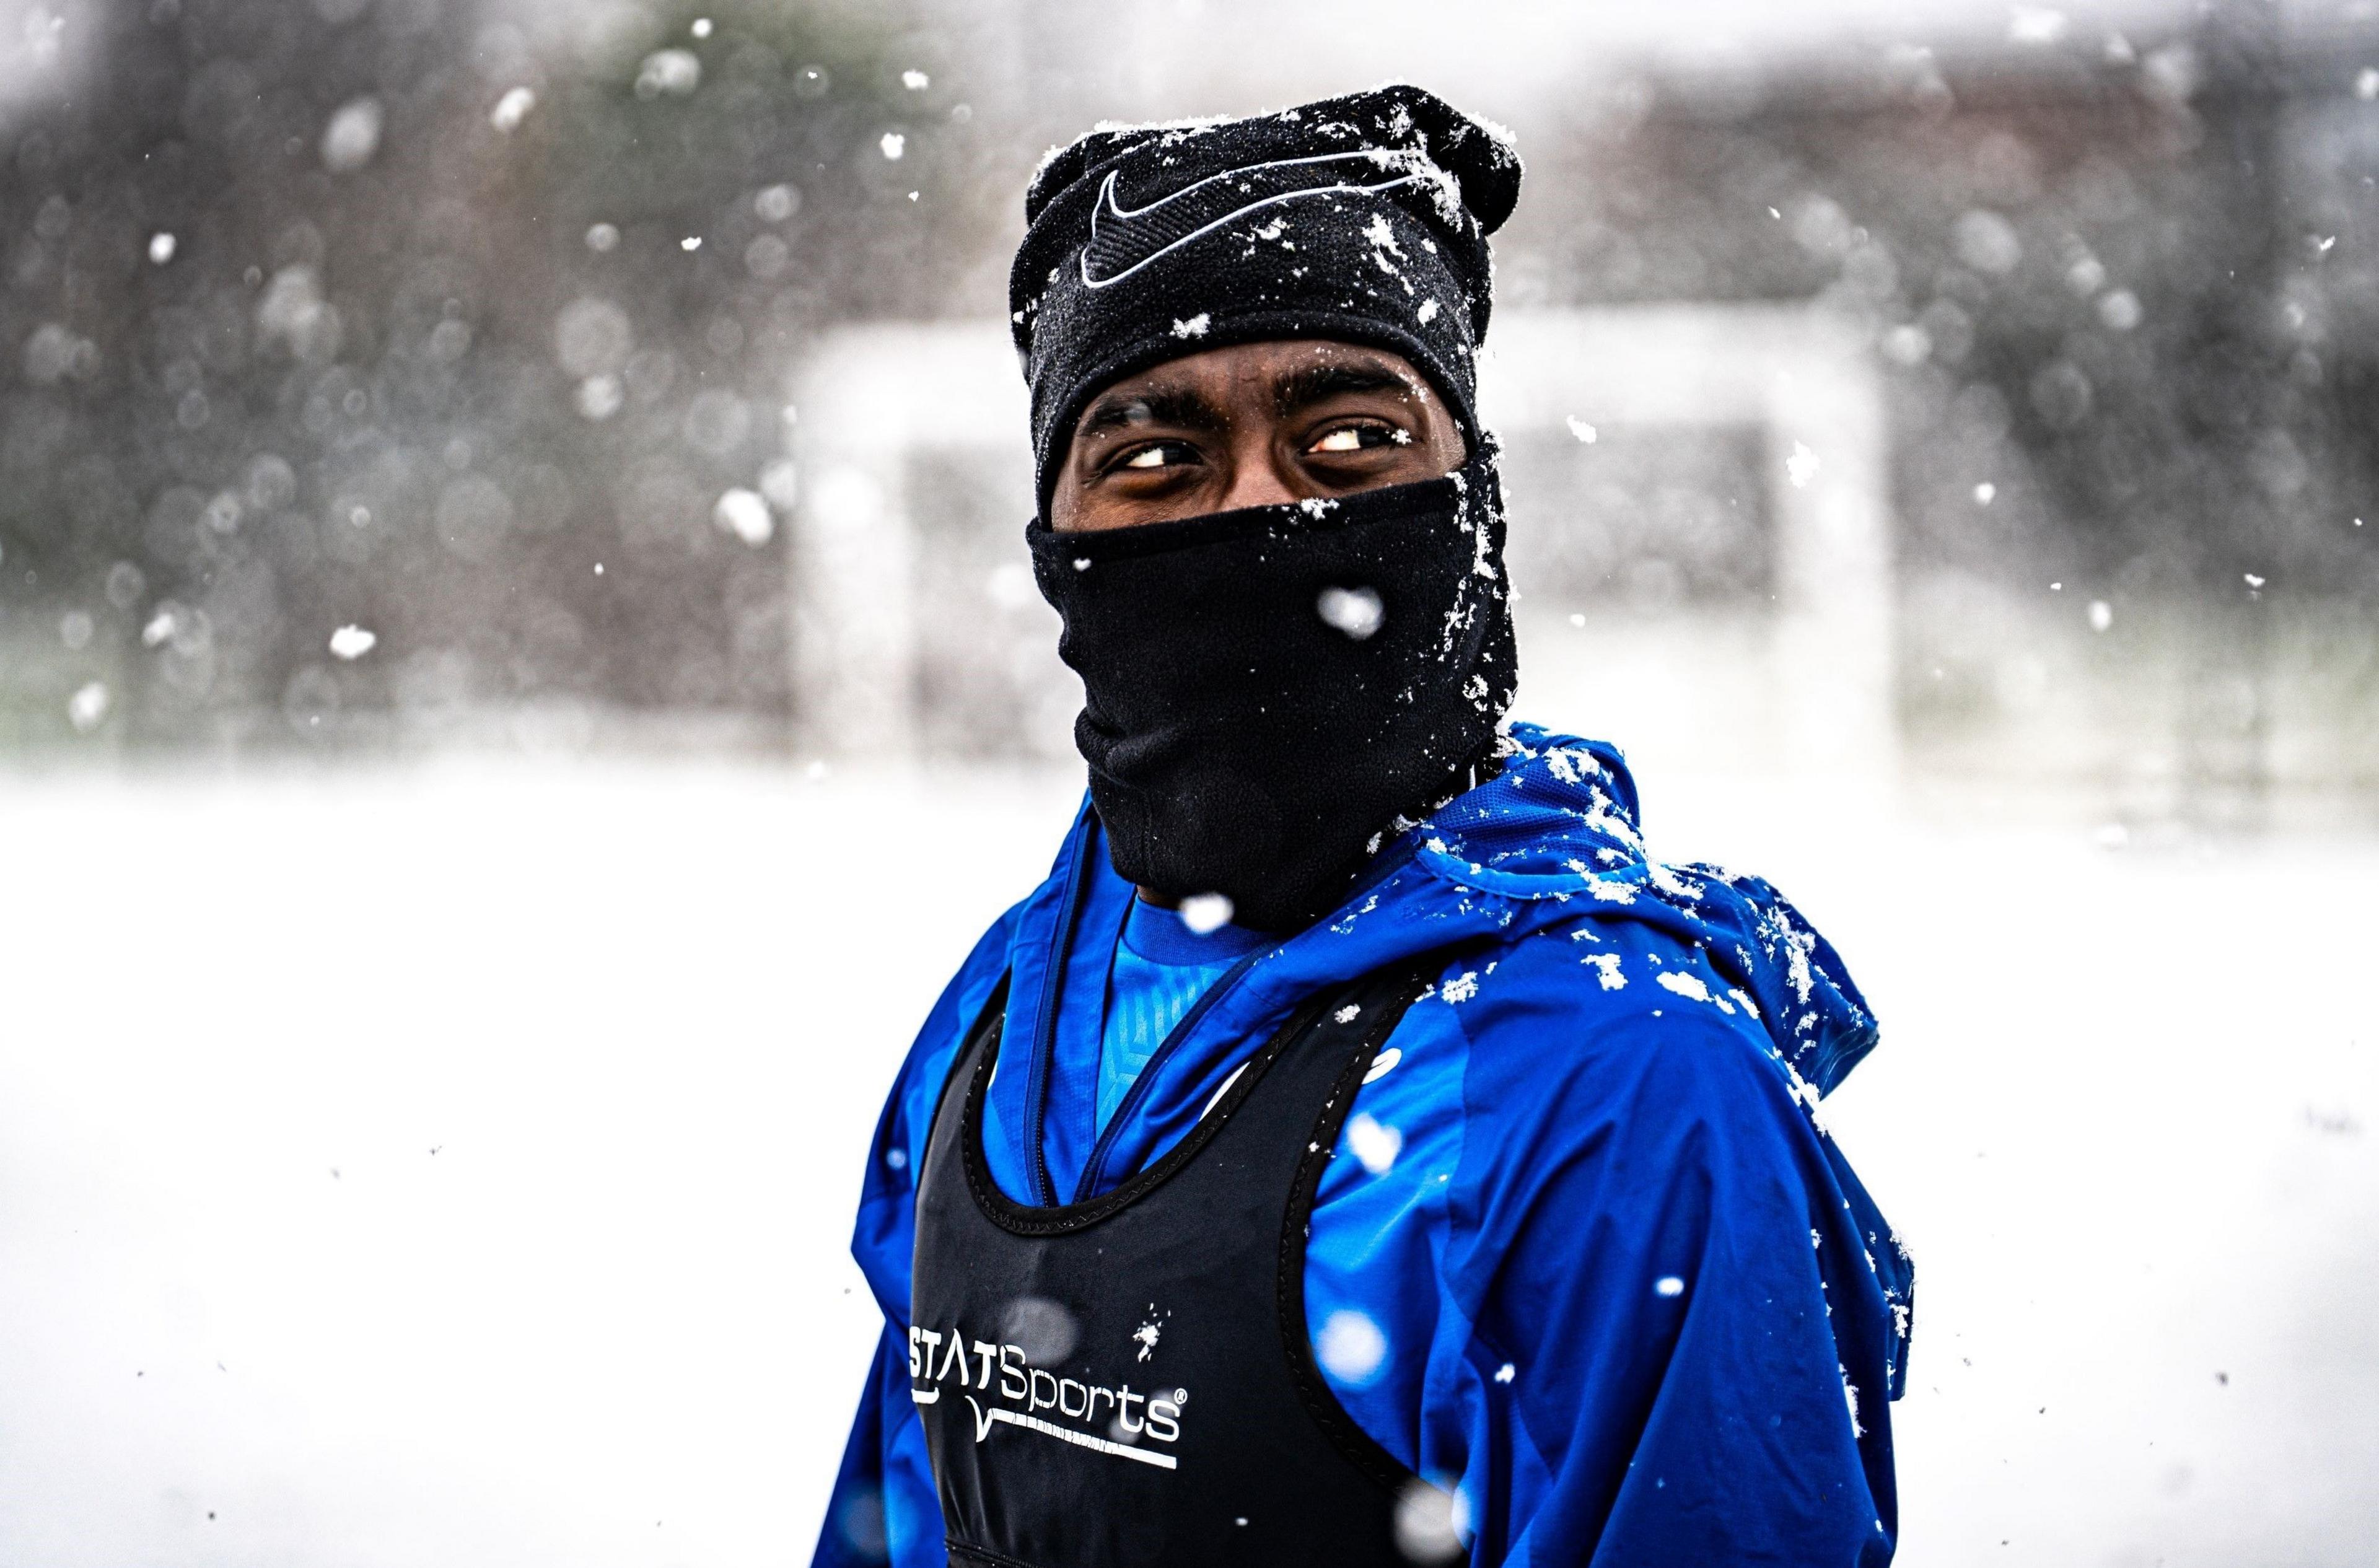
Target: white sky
1237,56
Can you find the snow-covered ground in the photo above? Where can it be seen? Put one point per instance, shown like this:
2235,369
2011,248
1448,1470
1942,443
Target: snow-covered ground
453,1166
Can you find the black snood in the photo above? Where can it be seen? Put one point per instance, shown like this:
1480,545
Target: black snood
1268,689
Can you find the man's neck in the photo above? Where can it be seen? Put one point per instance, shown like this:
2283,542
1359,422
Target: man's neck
1467,779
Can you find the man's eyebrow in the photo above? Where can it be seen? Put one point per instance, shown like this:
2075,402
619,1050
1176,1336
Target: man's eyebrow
1303,388
1177,406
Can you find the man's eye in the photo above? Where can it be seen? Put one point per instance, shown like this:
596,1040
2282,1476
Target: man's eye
1354,438
1162,454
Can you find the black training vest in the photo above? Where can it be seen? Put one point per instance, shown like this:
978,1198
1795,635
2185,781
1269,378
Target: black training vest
1128,1382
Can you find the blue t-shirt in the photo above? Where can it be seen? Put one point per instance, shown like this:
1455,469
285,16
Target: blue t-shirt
1160,970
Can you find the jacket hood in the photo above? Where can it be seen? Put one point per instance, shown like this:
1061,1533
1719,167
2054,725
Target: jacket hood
1559,836
1555,838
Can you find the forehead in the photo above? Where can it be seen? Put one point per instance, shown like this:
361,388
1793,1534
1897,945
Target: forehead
1272,362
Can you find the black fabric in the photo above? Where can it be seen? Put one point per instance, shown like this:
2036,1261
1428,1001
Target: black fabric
1247,733
1133,1385
1362,219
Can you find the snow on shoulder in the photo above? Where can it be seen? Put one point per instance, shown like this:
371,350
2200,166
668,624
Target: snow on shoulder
1551,845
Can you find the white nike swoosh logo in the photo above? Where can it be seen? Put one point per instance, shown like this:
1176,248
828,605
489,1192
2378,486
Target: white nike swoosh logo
1125,240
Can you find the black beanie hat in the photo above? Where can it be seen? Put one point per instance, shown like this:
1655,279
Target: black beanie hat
1363,219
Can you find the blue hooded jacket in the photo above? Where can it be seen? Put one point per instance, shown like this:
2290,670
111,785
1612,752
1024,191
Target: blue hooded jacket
1586,1257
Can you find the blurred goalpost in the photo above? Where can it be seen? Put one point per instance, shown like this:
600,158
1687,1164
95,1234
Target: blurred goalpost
872,398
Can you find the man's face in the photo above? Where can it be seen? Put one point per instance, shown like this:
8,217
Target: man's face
1254,425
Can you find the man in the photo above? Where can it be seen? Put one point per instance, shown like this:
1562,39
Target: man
1359,1150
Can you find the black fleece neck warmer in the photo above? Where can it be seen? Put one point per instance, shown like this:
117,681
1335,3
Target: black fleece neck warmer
1269,688
1362,219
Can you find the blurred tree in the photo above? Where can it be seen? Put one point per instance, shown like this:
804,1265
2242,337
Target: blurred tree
393,316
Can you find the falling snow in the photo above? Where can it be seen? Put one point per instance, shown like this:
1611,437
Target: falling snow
1374,1144
352,136
672,73
88,706
745,514
351,642
512,109
1205,913
1350,1347
1355,611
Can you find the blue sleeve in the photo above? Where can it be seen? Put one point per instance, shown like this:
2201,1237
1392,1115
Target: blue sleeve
853,1534
884,1508
1678,1350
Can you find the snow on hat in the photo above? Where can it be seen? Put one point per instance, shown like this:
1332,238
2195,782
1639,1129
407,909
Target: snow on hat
1363,219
